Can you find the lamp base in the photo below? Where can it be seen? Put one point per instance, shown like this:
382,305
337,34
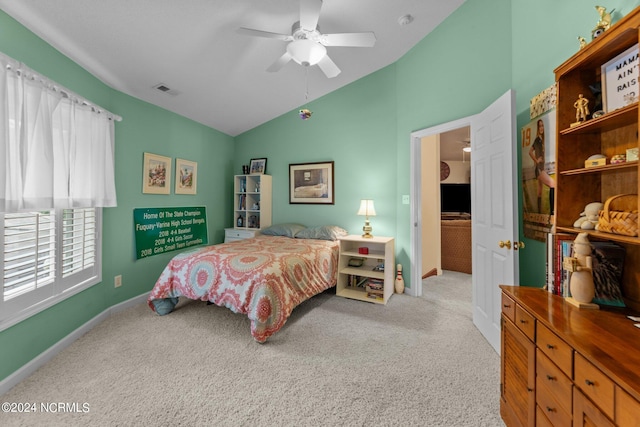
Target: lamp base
367,230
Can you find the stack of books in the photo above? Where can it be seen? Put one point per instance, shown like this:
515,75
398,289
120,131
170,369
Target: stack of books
375,288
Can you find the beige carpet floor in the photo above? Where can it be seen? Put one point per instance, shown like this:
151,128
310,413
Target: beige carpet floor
337,362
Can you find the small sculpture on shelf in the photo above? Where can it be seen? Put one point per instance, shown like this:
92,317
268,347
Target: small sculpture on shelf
580,265
582,109
604,23
582,42
589,216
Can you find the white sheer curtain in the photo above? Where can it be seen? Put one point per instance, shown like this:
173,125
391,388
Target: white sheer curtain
55,150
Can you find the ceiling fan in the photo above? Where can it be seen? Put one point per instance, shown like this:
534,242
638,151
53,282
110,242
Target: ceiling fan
307,45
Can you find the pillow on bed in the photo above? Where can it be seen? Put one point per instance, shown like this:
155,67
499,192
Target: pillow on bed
325,232
287,230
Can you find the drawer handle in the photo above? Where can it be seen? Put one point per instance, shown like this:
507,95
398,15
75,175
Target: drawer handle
549,409
550,346
506,305
589,382
523,321
551,378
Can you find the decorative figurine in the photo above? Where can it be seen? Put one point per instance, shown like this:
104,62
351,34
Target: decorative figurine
582,109
605,17
305,114
581,283
596,91
582,42
604,23
399,280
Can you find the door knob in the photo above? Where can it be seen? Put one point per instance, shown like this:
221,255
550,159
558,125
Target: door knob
518,245
506,244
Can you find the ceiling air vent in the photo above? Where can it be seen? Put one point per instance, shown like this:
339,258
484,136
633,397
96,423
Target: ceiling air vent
166,89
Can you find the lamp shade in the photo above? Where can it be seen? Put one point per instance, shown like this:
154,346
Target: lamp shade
367,208
306,52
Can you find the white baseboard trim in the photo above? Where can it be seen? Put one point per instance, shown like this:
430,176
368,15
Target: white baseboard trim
40,360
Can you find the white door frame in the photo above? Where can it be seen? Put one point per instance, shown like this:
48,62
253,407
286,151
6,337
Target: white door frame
416,196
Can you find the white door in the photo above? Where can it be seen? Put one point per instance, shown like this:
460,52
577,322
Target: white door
494,212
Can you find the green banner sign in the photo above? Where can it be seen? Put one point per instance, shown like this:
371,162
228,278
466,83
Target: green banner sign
160,230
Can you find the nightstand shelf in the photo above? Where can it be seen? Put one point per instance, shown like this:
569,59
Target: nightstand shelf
364,283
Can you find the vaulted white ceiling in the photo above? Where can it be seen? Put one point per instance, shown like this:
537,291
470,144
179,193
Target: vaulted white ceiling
217,76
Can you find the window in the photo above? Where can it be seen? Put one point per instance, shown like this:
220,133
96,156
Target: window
47,257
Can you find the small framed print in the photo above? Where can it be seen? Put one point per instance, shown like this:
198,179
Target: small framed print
258,166
186,177
620,80
311,183
156,174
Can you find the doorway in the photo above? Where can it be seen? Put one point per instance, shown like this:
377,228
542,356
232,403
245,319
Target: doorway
427,152
494,198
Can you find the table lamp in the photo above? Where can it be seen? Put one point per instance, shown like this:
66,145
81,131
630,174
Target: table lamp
367,209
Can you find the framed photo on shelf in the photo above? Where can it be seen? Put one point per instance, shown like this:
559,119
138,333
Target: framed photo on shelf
156,174
186,176
311,183
620,80
258,166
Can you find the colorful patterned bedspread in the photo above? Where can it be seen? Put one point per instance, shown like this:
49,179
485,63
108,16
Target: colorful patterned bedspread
264,278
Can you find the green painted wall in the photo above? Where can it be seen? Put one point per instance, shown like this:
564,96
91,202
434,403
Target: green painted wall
144,128
482,50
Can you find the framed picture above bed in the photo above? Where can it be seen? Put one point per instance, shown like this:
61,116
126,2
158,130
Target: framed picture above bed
186,177
156,174
311,183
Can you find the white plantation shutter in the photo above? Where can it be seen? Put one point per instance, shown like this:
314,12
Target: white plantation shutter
78,240
29,252
46,257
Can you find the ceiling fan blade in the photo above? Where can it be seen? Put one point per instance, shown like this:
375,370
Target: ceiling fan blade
280,62
349,39
309,14
265,34
328,67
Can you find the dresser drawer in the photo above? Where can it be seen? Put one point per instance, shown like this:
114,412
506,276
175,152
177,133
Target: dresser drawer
554,412
232,234
509,308
594,384
525,322
551,380
627,409
556,349
541,418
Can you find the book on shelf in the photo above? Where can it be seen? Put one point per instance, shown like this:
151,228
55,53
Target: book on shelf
558,247
357,281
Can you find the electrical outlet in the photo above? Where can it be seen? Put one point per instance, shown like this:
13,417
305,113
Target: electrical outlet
117,281
405,199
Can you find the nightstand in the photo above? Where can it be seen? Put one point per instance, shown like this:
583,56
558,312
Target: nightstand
233,234
366,282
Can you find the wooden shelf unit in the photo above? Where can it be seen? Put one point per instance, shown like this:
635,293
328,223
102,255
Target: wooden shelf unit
252,201
381,251
611,134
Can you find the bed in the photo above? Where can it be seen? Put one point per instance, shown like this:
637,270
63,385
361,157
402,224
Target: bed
265,277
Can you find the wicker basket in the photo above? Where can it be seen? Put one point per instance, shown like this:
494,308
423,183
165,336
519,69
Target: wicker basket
620,215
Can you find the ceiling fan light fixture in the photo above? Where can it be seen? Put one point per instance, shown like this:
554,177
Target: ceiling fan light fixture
466,149
306,52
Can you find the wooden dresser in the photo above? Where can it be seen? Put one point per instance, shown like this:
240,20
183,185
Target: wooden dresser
563,366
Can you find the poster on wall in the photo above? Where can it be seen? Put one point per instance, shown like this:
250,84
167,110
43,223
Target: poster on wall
160,230
539,166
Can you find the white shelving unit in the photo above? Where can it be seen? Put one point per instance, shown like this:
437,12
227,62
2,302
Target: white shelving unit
252,202
380,251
